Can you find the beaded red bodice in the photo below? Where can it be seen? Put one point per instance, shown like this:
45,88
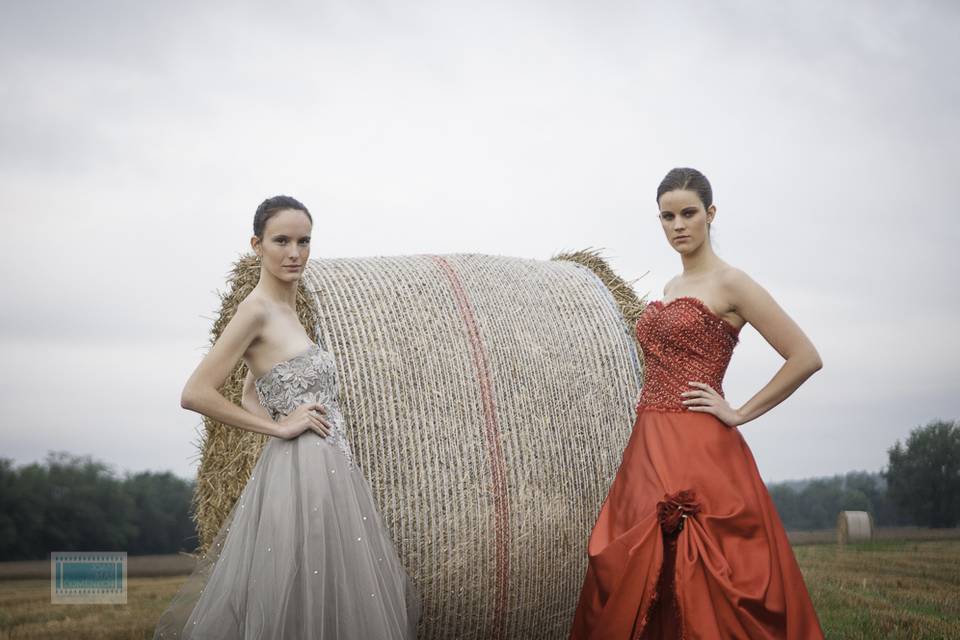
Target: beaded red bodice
682,340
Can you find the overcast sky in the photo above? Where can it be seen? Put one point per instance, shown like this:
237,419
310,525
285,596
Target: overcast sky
136,139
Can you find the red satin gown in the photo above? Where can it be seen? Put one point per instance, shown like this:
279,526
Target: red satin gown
688,543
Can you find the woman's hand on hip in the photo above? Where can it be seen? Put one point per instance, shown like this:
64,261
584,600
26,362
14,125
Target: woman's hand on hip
307,416
704,399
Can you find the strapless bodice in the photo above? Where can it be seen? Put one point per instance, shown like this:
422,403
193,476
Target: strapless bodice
309,376
682,340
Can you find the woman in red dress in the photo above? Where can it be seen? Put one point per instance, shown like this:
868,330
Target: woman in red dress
688,543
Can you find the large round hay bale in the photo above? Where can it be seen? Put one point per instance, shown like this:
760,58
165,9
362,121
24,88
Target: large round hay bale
854,526
488,400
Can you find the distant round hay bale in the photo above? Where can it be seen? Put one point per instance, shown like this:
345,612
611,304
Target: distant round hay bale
488,400
854,526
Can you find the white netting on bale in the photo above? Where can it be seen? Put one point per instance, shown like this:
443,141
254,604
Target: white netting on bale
488,401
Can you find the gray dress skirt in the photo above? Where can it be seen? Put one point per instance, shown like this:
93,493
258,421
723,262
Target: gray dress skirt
303,553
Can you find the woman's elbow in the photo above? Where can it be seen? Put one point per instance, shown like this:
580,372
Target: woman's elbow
806,363
815,362
189,398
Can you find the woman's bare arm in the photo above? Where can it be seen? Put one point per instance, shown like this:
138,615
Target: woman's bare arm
201,392
755,305
249,400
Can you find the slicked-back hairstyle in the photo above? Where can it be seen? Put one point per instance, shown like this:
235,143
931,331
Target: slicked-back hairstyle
270,206
687,179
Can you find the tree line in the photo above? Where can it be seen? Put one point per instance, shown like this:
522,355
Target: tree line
920,486
815,503
72,503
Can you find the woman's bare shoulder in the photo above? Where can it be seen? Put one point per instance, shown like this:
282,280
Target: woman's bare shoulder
746,296
669,285
734,281
254,307
248,321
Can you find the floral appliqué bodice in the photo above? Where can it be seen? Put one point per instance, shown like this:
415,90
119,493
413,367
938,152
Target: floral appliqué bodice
309,376
682,340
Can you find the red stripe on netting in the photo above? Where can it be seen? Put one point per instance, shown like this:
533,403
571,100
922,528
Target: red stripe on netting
498,465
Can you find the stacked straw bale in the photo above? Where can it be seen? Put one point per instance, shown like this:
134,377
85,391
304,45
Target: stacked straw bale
488,400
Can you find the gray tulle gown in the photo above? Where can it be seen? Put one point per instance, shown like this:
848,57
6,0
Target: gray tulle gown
303,552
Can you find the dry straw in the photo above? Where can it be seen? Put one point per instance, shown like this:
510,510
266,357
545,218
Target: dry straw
487,400
630,305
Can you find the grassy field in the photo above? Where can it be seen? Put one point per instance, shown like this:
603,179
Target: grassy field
823,536
884,589
26,612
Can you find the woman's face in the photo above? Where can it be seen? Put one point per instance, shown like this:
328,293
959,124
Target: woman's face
285,246
685,220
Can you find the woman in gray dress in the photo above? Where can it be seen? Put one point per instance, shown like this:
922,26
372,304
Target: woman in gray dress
303,552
